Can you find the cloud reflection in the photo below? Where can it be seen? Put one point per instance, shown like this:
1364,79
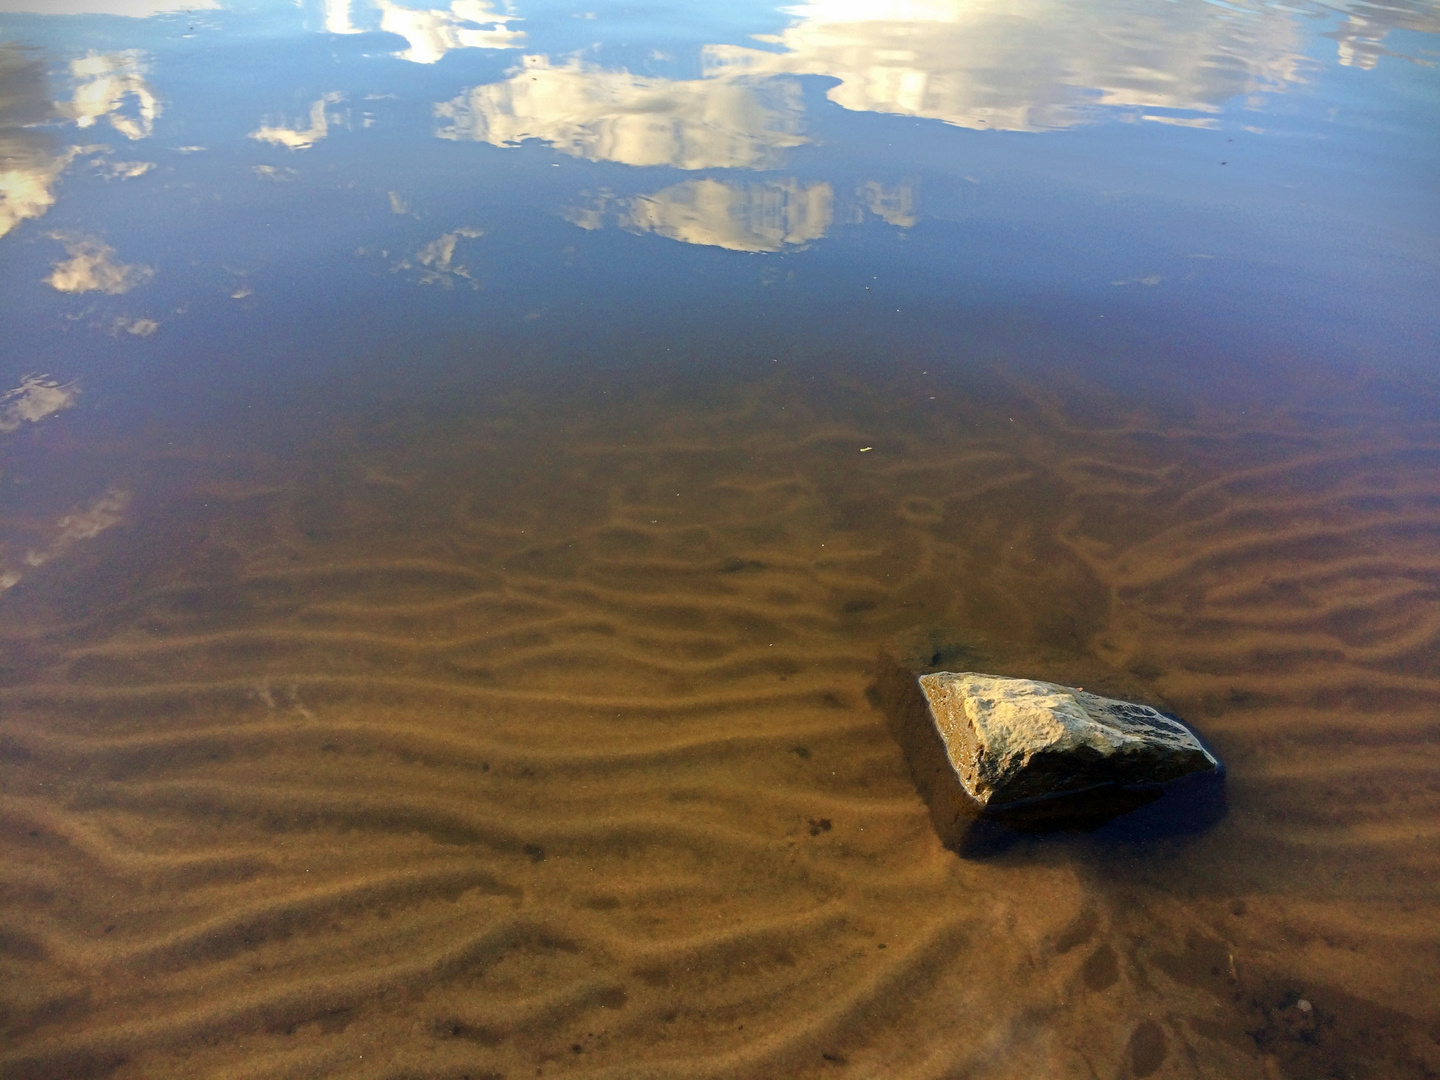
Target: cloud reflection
298,138
104,513
1360,40
134,9
337,17
737,217
91,267
135,327
606,115
112,86
894,206
30,162
37,397
28,171
123,170
1031,67
465,24
436,263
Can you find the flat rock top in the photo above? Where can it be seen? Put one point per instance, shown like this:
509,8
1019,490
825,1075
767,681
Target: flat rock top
1016,739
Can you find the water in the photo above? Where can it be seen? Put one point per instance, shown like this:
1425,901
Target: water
464,465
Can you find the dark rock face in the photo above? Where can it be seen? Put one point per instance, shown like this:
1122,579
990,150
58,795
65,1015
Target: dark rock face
1034,756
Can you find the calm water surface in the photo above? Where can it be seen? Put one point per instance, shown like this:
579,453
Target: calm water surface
460,465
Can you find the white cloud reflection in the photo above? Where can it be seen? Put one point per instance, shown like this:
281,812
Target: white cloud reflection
895,206
1026,66
104,513
37,397
298,138
135,327
737,217
755,217
134,9
30,162
92,267
123,170
31,159
606,115
436,263
1360,40
112,86
30,168
28,171
431,33
337,18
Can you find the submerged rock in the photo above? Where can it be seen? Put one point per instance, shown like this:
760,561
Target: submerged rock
1037,755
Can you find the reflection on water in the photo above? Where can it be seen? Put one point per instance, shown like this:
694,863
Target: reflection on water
435,261
735,216
1361,39
29,159
130,9
995,64
466,24
744,216
616,116
480,680
37,397
429,33
106,84
752,217
92,267
895,206
297,138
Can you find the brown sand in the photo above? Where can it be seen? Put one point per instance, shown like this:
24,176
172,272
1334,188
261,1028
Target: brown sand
539,744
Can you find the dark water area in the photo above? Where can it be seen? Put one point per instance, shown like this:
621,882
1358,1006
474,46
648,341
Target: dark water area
460,469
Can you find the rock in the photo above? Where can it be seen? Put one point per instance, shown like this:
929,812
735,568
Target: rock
1038,755
1012,740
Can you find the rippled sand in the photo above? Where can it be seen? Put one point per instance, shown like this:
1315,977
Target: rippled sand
538,743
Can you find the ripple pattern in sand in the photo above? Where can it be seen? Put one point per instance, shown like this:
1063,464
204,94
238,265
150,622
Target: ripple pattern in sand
562,762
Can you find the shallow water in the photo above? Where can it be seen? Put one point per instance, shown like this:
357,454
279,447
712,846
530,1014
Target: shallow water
463,470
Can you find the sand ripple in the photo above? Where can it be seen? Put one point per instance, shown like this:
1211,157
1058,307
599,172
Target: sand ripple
556,756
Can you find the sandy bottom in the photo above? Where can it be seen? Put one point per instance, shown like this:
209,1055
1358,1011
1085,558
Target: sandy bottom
537,743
